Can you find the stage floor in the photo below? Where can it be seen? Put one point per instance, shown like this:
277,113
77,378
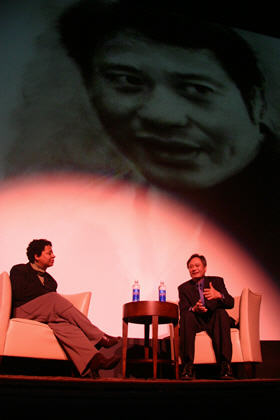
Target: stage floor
44,388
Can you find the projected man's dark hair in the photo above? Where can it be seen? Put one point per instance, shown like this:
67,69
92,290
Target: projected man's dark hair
87,24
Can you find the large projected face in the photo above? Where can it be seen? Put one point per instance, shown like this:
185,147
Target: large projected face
175,112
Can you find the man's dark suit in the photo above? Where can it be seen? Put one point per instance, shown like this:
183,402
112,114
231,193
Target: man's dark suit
215,321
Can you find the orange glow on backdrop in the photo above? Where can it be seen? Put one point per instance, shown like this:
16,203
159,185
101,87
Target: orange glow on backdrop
106,234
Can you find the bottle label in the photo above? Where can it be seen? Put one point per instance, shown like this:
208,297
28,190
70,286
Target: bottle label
162,295
136,295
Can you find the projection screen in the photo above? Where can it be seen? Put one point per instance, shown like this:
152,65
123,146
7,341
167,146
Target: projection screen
133,135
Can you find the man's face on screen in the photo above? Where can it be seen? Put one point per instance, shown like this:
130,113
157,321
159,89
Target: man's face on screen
174,112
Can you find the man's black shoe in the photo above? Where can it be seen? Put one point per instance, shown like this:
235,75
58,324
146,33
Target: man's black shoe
187,372
226,372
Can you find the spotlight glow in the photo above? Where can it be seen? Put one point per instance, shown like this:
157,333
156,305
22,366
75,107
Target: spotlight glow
106,234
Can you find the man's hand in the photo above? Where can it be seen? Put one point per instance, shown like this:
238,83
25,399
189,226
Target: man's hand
212,293
198,307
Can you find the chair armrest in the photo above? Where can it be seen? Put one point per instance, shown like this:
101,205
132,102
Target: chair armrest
235,311
5,307
250,325
80,300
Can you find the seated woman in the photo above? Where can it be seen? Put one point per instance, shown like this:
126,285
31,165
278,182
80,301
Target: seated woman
34,296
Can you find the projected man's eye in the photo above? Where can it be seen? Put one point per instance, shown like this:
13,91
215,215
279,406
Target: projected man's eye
125,81
196,91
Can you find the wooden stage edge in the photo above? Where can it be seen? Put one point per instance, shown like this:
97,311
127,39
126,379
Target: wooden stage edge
136,398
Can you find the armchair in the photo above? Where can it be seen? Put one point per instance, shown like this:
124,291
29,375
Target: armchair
245,336
27,338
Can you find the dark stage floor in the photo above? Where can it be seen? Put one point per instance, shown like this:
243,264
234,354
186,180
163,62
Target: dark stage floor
45,396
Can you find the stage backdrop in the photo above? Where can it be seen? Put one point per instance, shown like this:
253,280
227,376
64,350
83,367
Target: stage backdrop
131,148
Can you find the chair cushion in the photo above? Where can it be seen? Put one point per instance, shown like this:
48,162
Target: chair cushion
28,338
204,352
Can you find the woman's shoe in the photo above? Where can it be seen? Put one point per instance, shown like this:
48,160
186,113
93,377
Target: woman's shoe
101,362
107,341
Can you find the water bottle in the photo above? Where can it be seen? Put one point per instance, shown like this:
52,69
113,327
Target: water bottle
162,292
136,291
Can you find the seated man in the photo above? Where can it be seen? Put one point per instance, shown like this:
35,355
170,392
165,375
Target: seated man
202,304
34,297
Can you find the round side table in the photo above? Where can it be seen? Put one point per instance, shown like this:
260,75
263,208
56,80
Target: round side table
151,313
